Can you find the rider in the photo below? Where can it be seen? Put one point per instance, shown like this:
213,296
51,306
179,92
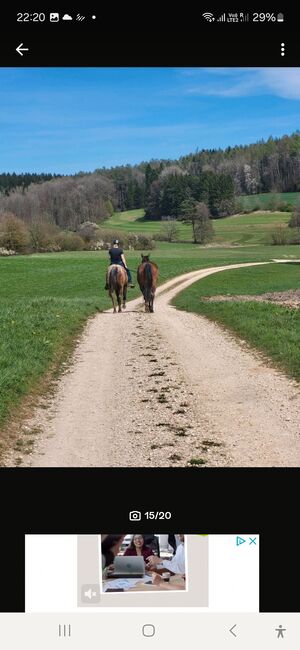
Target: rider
117,257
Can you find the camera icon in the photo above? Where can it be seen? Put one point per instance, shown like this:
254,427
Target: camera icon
135,515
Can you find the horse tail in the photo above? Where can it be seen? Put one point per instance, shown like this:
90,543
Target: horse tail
113,279
148,282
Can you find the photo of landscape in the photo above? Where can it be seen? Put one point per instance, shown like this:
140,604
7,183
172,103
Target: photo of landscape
188,179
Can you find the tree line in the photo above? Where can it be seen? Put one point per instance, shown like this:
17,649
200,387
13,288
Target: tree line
9,182
215,177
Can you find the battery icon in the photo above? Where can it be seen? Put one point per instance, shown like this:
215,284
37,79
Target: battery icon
280,18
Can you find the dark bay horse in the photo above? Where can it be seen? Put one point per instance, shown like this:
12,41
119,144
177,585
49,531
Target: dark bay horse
117,285
147,276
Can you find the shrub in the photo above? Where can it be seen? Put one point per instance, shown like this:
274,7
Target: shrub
279,235
109,207
43,237
4,252
272,203
159,236
284,206
13,233
88,231
202,226
295,237
70,241
170,230
239,206
145,242
128,240
294,221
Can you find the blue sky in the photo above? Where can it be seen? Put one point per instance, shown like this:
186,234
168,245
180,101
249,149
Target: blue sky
64,120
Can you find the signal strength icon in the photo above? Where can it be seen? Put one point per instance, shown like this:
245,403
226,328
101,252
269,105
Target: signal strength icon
208,16
222,19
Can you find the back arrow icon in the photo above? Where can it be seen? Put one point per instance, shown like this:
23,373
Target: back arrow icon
231,630
20,49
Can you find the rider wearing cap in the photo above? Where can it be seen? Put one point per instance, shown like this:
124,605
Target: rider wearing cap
117,256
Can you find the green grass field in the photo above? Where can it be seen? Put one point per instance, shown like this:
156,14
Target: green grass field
263,199
46,299
273,329
245,229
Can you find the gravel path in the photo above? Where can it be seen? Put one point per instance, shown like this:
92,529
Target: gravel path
165,389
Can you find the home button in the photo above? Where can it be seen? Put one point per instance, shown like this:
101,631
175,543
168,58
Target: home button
148,630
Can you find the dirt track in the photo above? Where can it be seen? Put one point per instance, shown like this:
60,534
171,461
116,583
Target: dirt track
166,389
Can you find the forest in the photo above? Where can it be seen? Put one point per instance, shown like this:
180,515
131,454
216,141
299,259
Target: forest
215,177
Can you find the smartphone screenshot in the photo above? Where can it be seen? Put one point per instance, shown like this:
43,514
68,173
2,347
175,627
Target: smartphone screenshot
149,327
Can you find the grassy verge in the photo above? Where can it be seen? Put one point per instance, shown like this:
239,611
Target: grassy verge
273,329
35,334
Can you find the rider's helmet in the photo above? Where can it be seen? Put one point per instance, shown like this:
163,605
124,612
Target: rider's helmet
116,241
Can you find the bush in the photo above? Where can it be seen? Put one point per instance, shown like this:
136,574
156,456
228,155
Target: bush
70,241
127,240
43,237
88,231
170,230
159,236
279,236
239,206
272,203
4,252
226,207
106,237
294,221
145,242
202,226
284,206
109,207
295,238
13,233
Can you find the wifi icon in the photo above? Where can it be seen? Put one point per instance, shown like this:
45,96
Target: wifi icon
208,16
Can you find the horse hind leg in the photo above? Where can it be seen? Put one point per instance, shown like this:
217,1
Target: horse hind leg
124,297
119,301
151,303
113,301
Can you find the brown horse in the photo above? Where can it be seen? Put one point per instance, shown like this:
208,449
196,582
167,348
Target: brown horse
147,276
117,284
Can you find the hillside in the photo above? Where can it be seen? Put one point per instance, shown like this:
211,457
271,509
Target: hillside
240,229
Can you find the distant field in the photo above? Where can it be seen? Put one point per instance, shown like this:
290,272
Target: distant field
253,199
46,299
253,228
274,329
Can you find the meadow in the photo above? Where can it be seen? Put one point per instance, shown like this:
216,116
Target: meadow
46,299
249,201
271,328
240,229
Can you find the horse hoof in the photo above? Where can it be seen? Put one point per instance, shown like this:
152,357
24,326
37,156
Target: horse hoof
124,306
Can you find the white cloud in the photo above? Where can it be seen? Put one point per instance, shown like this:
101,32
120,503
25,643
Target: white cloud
243,82
284,82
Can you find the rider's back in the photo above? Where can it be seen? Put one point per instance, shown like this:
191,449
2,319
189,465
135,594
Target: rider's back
115,255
